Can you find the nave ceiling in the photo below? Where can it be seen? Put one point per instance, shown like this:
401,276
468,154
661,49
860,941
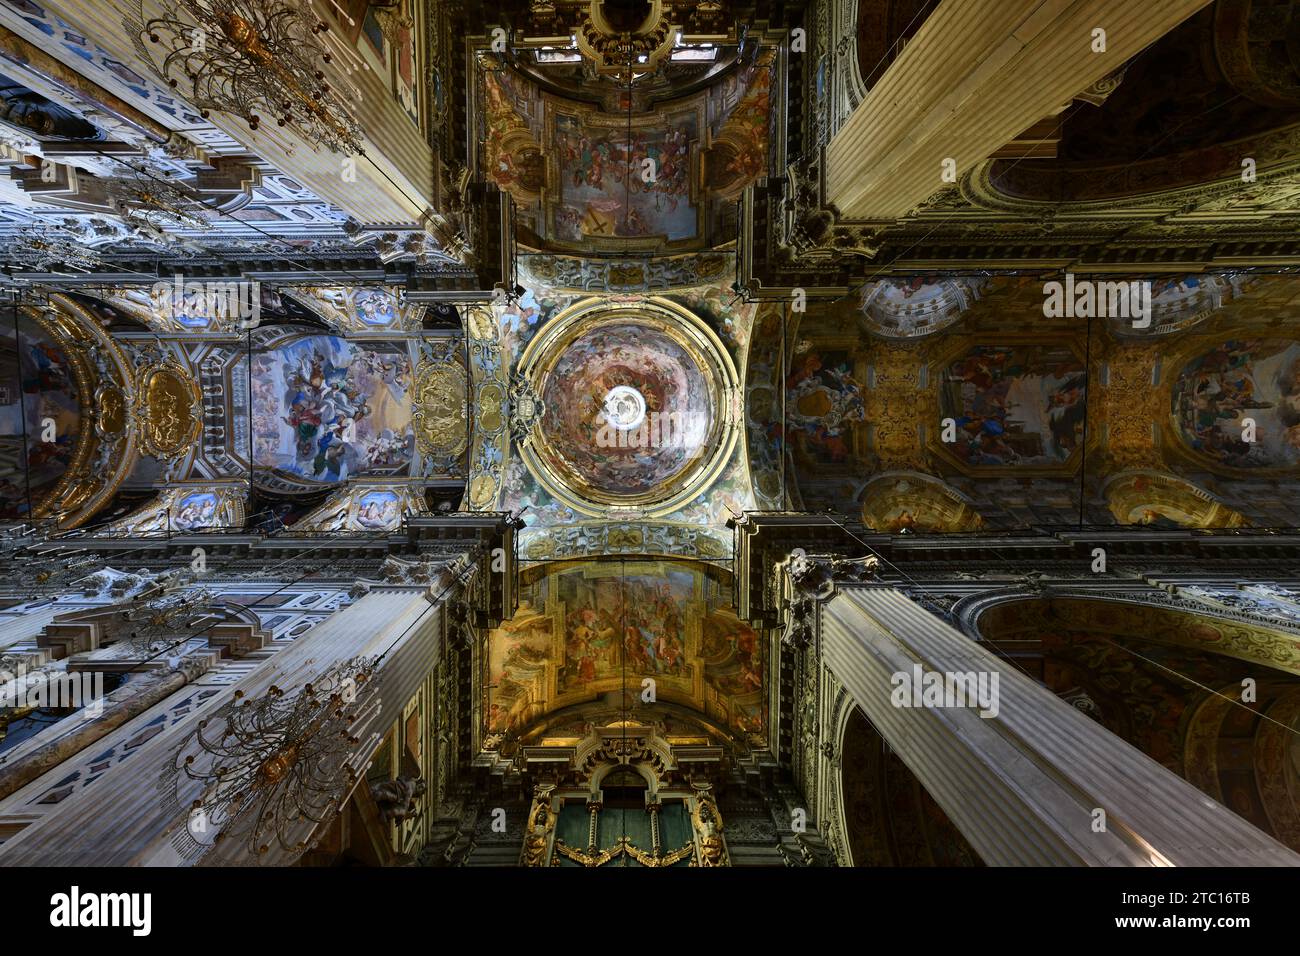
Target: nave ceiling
591,277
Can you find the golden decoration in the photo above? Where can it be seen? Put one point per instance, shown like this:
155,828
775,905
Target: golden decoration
625,537
541,548
915,503
1144,497
491,398
482,490
624,845
439,420
541,821
896,403
708,354
1128,405
709,547
82,489
1178,627
707,822
112,410
626,276
169,408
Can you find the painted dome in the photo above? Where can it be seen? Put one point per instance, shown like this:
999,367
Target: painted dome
635,406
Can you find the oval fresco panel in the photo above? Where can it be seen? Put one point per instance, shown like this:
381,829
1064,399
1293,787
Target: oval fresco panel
1217,391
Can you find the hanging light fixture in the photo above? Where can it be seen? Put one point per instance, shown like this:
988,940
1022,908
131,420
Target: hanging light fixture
258,60
40,247
275,769
149,200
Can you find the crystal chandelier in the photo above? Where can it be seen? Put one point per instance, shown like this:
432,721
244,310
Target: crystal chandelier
146,199
43,246
275,768
255,59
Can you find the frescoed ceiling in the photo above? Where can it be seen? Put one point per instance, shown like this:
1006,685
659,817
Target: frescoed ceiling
581,370
346,409
642,170
621,635
1000,417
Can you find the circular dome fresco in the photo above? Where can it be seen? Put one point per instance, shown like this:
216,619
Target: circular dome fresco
637,406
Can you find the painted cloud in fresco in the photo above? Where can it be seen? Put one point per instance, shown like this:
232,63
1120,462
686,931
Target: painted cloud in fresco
326,409
598,198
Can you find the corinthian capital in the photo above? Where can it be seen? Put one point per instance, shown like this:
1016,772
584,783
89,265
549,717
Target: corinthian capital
806,580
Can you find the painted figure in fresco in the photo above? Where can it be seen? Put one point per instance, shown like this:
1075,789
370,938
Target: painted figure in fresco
50,368
375,308
824,400
1234,381
1015,406
378,511
340,405
196,512
603,176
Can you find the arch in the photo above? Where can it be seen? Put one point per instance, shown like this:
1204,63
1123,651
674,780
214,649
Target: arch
1152,613
106,446
888,818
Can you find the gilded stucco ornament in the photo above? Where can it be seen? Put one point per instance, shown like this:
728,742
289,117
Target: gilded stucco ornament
106,445
168,408
439,419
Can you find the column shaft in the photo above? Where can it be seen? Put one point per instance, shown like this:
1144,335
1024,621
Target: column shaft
976,76
1023,786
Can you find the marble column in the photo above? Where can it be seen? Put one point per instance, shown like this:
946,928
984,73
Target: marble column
393,184
124,818
1026,785
74,734
976,76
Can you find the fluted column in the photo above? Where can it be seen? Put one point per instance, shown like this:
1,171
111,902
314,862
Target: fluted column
392,185
976,76
124,818
1023,785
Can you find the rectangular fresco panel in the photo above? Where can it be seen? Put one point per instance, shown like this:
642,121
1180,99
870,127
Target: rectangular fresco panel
823,402
195,511
589,629
604,191
1015,405
325,409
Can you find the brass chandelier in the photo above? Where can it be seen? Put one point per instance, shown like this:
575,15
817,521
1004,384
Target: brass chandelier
40,247
273,769
150,202
257,59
